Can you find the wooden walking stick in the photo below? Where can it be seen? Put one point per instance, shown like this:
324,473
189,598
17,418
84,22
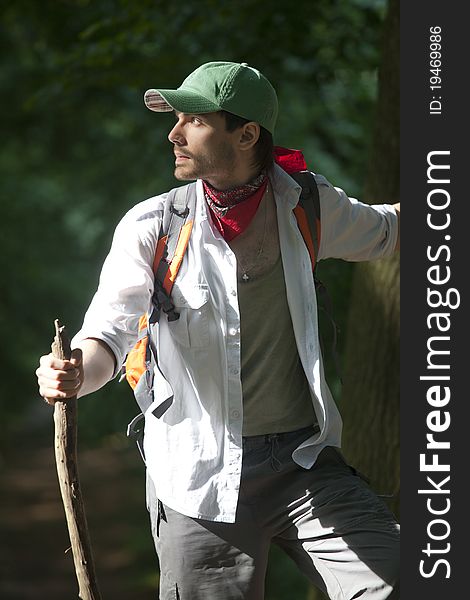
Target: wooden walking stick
65,420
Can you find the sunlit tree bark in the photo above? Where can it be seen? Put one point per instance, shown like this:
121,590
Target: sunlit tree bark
370,404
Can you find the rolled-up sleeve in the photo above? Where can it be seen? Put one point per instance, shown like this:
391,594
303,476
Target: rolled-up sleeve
352,230
126,282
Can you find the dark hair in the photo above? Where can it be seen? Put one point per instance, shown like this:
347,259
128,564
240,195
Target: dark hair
263,148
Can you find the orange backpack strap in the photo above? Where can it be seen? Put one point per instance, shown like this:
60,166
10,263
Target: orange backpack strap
178,218
175,231
307,213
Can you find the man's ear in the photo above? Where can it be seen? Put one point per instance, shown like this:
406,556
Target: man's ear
249,135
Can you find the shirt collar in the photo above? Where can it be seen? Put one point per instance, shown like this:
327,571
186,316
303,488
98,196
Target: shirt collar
284,186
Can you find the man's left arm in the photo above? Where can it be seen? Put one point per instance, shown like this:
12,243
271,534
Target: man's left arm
352,230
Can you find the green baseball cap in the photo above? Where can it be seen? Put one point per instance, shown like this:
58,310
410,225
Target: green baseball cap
234,87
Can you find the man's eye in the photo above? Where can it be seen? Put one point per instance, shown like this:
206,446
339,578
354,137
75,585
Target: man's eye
196,121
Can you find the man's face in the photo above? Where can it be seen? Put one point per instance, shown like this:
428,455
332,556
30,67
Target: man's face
203,148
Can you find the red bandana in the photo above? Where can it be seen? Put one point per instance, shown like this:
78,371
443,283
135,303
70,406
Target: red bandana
236,219
233,211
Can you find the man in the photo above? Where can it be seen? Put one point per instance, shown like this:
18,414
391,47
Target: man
241,438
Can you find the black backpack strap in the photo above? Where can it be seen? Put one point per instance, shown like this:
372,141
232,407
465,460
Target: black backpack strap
309,201
173,240
175,231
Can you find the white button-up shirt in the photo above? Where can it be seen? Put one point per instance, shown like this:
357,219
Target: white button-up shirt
194,449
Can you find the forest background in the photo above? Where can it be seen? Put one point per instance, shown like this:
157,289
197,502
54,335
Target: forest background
78,149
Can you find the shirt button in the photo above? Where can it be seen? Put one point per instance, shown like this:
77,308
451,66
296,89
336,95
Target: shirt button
235,414
234,292
232,331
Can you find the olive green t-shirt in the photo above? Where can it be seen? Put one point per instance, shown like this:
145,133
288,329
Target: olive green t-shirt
276,396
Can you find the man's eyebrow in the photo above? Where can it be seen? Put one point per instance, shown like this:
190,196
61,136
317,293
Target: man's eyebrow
198,115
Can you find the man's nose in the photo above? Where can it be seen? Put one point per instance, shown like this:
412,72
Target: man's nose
176,136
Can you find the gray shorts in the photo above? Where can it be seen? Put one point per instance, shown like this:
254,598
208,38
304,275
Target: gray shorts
339,533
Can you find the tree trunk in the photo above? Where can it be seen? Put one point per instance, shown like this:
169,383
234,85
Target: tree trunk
370,400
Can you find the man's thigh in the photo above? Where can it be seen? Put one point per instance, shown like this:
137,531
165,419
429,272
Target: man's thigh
202,559
342,536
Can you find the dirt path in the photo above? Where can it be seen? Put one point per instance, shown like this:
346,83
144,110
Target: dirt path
34,563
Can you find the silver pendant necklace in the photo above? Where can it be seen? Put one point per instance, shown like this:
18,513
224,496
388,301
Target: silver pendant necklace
245,277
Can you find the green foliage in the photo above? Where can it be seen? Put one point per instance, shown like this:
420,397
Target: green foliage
79,148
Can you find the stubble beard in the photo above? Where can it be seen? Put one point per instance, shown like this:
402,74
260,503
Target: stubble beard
218,165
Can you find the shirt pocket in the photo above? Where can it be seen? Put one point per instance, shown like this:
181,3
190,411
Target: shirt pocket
192,304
